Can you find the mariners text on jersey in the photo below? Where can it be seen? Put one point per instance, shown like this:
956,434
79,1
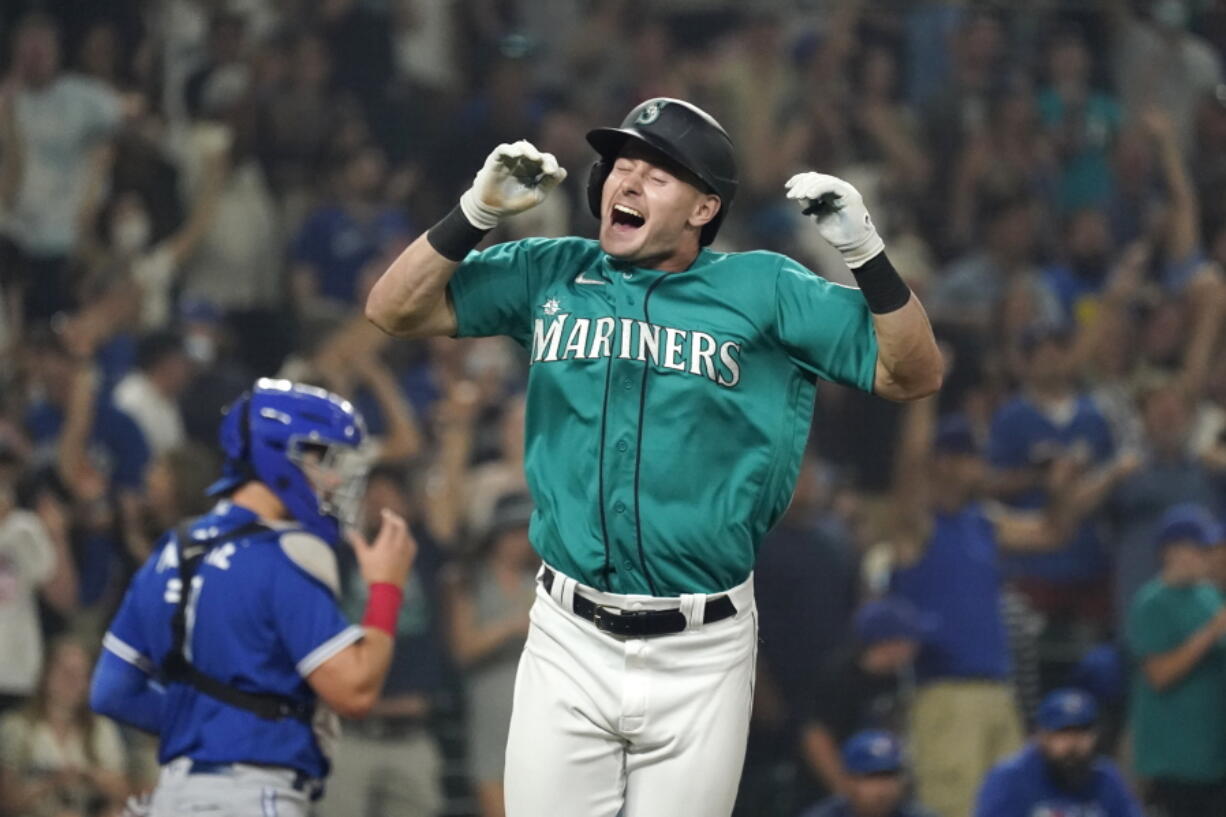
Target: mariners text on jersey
680,350
667,413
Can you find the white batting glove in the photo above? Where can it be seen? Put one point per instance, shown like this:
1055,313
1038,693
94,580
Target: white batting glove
838,208
515,178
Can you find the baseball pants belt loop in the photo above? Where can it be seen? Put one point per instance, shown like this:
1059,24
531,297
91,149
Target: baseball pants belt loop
694,608
637,623
559,586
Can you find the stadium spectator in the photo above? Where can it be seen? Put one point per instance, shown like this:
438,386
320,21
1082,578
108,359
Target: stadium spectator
35,562
360,38
340,238
237,263
389,764
64,122
1175,631
296,121
488,617
1047,421
808,577
150,393
807,585
1081,122
494,478
1078,277
1060,770
1159,62
877,780
132,247
1169,475
972,290
1009,156
87,438
965,716
867,687
58,759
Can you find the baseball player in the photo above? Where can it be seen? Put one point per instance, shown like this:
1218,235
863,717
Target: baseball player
668,404
230,644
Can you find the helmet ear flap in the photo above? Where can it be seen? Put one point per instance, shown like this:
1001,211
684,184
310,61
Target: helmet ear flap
595,184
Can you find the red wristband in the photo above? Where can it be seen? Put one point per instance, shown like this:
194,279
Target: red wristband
383,607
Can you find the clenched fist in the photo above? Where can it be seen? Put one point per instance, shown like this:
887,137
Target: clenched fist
515,178
838,208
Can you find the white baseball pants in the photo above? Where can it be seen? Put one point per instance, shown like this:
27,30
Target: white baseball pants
243,791
655,725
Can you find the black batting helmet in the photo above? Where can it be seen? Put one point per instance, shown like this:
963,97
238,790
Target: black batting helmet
684,133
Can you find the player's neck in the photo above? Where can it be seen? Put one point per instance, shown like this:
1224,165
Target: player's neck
257,498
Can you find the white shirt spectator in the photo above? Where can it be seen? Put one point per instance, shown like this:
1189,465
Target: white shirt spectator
27,560
58,125
423,41
157,416
1173,74
237,265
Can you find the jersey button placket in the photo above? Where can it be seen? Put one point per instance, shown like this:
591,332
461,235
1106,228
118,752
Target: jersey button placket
621,429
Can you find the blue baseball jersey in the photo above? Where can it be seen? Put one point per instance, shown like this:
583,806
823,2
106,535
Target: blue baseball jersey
1020,786
1022,435
262,616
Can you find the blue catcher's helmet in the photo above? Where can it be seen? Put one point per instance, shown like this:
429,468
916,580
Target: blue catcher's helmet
305,445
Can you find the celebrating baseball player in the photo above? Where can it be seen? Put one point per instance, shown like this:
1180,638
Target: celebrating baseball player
668,404
230,644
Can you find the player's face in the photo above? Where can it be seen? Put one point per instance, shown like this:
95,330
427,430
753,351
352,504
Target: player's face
337,473
1185,563
1069,752
876,795
959,476
894,655
1049,364
650,215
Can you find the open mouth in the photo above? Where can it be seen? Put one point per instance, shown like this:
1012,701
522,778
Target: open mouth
627,217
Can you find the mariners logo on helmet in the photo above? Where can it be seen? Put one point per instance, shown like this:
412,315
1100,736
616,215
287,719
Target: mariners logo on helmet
650,113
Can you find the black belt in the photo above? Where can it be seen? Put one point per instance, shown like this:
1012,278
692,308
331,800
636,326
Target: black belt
640,623
312,787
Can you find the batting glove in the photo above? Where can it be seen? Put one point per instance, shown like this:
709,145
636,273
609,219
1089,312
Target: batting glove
515,178
838,208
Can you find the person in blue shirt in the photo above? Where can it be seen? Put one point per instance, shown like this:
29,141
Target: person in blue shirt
230,644
1048,424
948,542
1059,772
116,448
340,238
877,780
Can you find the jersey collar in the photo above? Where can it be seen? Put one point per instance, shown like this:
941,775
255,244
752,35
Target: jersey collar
610,265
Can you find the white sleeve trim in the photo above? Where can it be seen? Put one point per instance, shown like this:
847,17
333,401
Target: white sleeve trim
329,648
122,649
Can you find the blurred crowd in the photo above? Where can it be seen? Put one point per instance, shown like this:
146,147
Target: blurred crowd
194,193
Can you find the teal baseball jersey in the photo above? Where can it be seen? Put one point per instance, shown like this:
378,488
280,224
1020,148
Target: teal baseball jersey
667,413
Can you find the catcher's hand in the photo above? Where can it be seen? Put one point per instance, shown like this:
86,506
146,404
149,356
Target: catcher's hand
838,208
515,178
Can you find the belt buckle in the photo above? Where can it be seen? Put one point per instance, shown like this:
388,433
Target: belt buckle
616,620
